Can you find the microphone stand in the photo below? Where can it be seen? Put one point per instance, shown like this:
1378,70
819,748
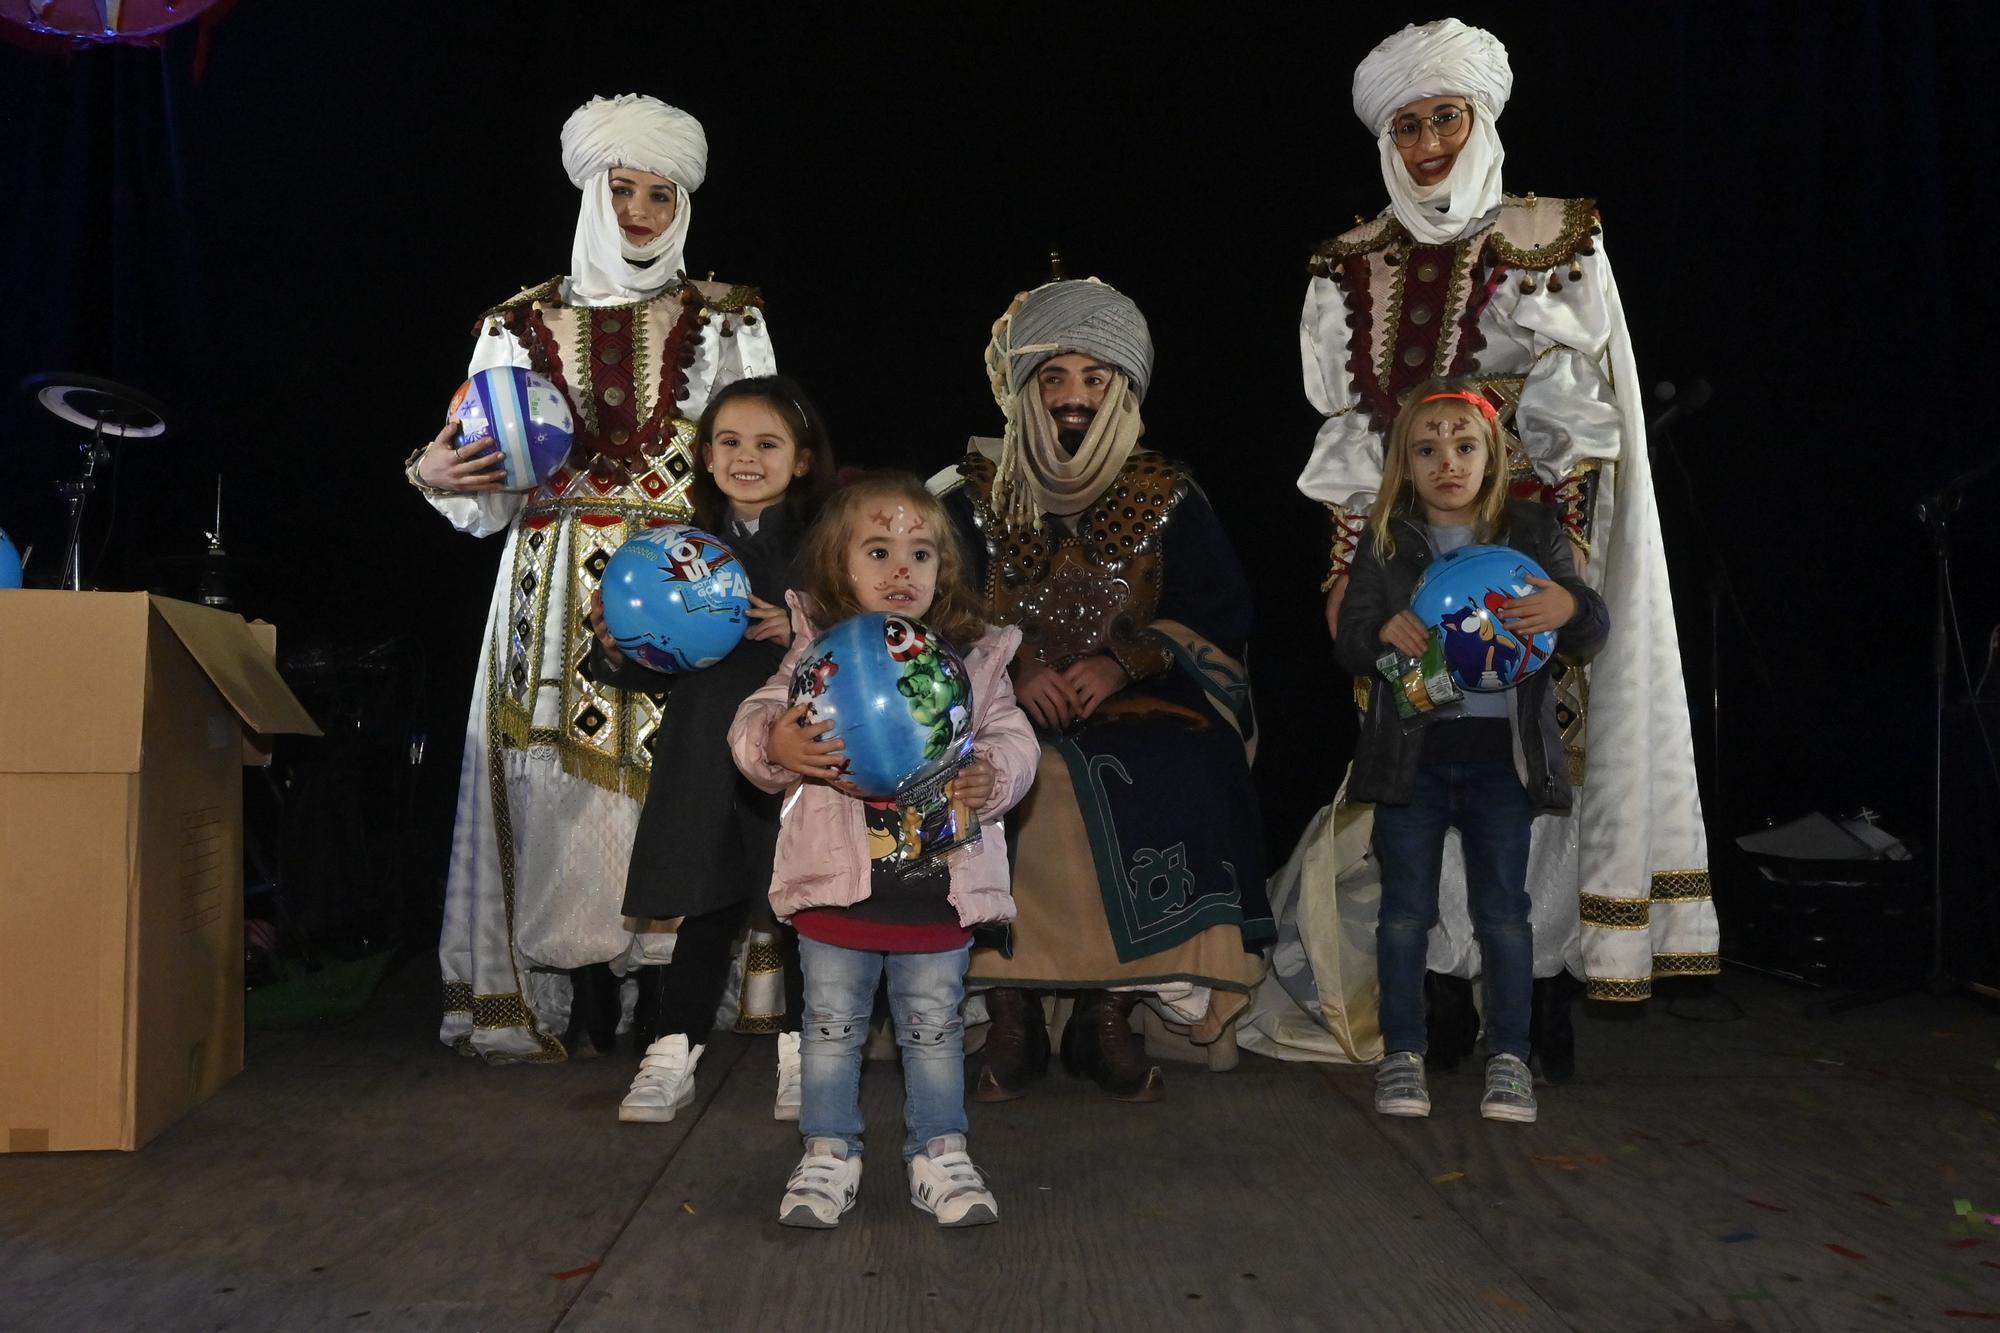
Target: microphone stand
78,493
1934,511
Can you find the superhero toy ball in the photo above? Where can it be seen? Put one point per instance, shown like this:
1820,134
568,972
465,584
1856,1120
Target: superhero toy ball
675,598
10,562
521,415
899,697
1460,596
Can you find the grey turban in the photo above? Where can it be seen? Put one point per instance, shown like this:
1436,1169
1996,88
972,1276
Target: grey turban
1082,316
1432,60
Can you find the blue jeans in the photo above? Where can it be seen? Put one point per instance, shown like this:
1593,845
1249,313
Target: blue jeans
1493,815
926,992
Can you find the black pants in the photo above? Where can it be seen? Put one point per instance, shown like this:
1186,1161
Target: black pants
691,985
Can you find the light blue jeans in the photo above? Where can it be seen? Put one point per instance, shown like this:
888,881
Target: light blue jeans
926,993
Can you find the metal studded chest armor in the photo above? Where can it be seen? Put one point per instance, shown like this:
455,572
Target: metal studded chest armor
1087,591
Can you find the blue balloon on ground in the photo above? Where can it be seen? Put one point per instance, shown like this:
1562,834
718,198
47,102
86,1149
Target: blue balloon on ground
898,695
519,413
675,598
10,563
1461,594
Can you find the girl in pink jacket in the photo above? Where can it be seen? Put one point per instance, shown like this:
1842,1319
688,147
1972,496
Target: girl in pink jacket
885,544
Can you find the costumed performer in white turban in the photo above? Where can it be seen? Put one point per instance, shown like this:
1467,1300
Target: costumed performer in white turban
556,764
1455,278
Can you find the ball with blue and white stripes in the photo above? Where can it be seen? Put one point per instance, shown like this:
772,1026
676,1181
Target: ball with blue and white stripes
519,414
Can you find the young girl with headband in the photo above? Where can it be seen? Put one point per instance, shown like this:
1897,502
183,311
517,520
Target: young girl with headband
1488,772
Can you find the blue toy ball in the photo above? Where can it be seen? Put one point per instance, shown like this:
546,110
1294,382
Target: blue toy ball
1461,594
899,697
10,562
675,598
521,414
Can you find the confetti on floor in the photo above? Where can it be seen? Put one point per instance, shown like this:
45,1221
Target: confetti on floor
1568,1161
1846,1253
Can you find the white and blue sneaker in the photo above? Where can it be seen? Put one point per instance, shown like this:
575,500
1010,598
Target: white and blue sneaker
823,1185
945,1184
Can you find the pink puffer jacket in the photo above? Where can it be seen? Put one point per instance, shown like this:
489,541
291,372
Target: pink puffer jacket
823,836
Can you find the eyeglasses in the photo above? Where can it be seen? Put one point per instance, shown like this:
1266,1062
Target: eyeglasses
1448,123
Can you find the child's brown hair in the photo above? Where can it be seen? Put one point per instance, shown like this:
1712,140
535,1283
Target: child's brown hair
955,610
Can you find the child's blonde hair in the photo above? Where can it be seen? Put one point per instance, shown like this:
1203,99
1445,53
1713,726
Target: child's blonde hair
1399,489
955,610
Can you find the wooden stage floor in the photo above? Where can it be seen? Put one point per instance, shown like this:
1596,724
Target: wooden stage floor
1766,1173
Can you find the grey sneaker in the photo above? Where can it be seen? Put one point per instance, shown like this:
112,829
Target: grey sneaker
945,1184
823,1185
1510,1091
1399,1085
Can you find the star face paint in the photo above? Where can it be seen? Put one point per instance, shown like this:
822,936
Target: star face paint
892,561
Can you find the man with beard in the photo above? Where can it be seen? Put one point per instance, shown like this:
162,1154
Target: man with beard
1137,856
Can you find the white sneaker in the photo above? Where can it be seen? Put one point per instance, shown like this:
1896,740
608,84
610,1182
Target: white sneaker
665,1082
945,1184
823,1185
787,1105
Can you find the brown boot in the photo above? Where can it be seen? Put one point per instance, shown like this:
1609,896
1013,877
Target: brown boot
1113,1053
1017,1046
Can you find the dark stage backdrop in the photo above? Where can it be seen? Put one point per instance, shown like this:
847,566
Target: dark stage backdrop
292,252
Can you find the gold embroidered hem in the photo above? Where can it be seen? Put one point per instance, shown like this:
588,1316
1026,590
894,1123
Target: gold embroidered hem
1614,913
1672,886
1626,989
1686,965
1619,988
492,1012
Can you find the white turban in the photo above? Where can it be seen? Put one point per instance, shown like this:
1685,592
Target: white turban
645,134
1440,59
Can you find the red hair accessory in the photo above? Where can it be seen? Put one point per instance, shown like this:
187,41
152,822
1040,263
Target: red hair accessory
1478,400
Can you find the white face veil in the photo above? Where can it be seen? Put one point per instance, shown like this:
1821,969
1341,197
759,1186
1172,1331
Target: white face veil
1440,59
640,132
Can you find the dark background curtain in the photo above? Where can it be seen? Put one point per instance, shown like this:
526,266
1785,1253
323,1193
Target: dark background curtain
291,252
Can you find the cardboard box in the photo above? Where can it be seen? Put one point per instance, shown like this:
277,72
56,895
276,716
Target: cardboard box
123,732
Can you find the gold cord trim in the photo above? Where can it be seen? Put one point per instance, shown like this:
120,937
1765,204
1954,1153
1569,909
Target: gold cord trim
1614,913
1686,965
1579,217
1679,886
